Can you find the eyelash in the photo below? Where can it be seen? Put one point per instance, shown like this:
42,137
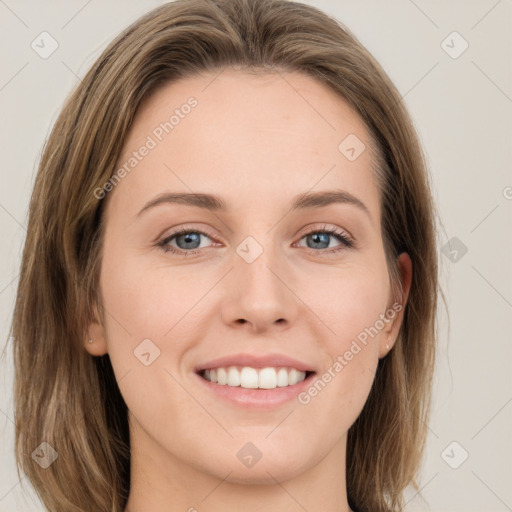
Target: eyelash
347,242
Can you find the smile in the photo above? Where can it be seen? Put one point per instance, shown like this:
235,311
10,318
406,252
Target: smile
254,378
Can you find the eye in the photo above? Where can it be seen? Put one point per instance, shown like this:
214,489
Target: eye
320,240
188,241
185,239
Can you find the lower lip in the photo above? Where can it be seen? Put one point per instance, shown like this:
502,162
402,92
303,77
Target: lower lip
257,398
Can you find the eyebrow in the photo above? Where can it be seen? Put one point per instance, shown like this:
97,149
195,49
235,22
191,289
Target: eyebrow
215,203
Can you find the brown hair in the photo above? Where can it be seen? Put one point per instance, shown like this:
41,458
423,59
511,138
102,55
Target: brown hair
71,400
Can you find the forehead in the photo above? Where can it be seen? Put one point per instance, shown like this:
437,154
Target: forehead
247,136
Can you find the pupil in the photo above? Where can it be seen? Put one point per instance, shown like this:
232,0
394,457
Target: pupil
319,238
190,238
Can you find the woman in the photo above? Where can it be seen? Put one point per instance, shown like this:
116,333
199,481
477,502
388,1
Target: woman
228,288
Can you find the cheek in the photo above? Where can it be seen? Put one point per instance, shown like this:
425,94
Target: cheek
350,306
347,300
149,301
350,309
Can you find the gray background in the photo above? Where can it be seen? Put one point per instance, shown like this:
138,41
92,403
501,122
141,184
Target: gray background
462,109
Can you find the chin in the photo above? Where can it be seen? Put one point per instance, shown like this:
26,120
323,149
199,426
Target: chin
262,474
277,464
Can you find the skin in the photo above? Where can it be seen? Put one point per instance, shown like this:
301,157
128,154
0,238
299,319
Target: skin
256,141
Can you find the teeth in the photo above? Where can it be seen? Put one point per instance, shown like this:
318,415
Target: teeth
293,377
222,376
247,377
267,378
282,377
233,377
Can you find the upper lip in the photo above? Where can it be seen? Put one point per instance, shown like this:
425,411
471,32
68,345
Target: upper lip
255,361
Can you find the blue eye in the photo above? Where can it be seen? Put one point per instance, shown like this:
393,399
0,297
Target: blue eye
321,237
186,237
190,241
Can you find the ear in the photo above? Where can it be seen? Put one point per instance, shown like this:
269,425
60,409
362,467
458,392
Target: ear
397,306
96,333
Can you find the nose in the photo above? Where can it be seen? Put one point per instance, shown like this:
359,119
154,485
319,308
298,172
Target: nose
259,294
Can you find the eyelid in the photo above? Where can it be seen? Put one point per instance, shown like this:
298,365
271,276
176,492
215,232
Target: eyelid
184,229
162,241
332,228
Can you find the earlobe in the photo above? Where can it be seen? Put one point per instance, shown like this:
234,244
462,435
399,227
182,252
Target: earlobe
95,342
386,345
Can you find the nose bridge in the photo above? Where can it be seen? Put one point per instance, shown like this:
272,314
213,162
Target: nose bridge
256,264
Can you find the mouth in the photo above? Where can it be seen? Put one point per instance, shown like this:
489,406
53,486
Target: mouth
247,377
255,381
254,389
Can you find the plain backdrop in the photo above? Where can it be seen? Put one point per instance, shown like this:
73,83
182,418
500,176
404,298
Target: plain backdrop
458,88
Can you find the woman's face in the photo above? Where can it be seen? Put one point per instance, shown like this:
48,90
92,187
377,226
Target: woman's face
258,280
